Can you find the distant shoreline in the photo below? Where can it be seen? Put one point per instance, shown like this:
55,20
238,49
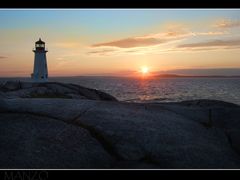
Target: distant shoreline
193,76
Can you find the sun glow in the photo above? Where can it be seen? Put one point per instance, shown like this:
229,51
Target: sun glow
144,70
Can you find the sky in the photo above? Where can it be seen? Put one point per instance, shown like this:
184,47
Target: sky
121,41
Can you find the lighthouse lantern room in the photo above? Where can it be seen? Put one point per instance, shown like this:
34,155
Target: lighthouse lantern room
40,70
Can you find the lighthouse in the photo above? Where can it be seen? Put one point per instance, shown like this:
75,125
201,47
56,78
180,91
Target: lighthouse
40,70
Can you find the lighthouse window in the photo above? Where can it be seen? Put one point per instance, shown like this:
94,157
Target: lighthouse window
39,45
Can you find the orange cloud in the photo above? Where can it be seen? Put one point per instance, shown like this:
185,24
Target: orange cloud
155,39
218,43
227,23
210,33
200,46
102,51
147,40
151,43
132,42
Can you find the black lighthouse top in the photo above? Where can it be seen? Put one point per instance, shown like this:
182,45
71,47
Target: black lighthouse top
40,45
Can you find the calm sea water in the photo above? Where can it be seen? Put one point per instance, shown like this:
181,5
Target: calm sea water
159,90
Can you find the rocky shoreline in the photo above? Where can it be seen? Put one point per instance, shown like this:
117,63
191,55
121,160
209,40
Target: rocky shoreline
18,89
56,125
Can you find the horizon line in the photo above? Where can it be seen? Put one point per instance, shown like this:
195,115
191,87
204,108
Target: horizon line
168,75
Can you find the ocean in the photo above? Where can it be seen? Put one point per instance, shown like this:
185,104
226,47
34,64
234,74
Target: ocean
158,90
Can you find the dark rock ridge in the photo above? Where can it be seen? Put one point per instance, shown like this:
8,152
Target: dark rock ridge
18,89
83,133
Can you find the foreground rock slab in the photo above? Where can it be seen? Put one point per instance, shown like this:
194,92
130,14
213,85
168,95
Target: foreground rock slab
29,141
82,133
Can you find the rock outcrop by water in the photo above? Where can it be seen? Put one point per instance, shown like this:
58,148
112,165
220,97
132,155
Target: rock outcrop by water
85,133
18,89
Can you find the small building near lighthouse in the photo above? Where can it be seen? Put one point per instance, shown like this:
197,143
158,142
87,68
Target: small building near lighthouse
40,69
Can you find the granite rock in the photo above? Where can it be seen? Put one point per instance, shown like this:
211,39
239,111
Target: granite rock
131,135
30,141
17,89
91,129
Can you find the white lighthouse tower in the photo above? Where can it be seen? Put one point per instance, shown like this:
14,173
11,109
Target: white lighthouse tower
40,70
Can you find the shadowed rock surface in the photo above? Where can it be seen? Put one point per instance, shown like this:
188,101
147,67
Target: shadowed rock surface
18,89
84,133
30,141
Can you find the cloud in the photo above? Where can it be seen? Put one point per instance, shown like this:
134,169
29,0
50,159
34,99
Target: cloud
213,43
155,39
147,40
101,51
151,43
200,46
210,33
132,42
227,23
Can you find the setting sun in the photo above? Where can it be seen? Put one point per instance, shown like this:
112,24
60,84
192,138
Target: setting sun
144,70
